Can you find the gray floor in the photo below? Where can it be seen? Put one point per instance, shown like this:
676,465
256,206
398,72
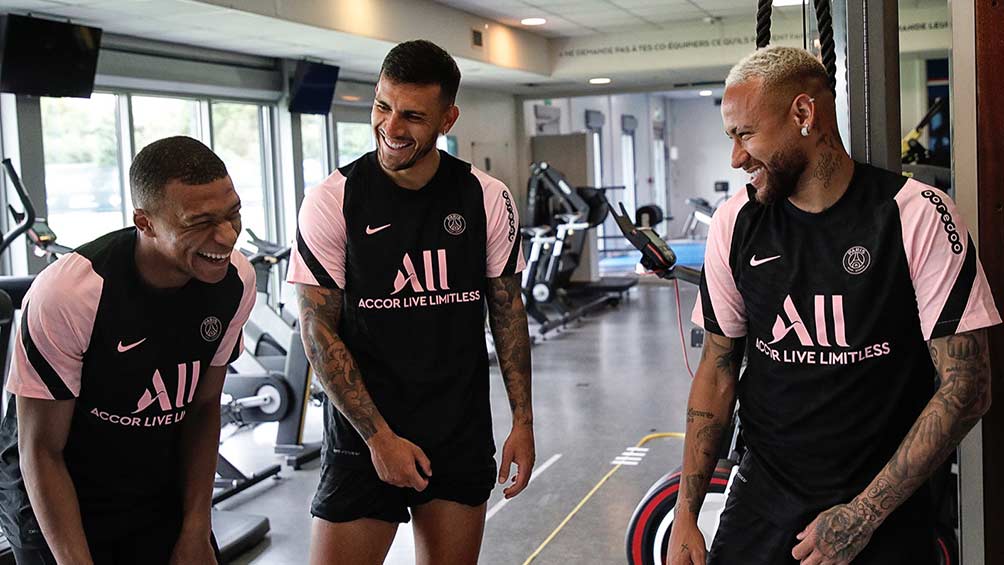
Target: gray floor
599,388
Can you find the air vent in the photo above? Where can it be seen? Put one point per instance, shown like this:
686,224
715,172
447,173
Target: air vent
477,38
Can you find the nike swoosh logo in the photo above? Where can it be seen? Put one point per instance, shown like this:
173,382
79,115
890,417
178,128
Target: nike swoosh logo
371,231
754,262
124,348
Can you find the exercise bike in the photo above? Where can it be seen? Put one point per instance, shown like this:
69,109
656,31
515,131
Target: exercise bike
648,531
272,381
552,299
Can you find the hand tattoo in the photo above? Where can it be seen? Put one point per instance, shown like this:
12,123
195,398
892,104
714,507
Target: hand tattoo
842,532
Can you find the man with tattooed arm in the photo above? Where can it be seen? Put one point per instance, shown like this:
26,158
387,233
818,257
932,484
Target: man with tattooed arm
858,299
396,256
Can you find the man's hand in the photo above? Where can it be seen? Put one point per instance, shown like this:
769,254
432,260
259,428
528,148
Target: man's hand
193,550
397,461
518,449
836,536
686,544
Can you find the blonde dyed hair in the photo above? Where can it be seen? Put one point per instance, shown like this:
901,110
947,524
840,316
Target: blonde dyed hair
780,68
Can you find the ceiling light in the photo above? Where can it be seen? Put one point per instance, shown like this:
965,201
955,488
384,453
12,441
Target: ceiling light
533,21
705,93
599,80
783,3
350,98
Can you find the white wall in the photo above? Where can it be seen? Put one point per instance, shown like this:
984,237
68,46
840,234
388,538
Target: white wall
703,156
487,126
577,113
530,120
659,113
635,105
644,107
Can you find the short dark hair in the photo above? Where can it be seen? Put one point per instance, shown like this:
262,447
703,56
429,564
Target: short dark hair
178,158
423,62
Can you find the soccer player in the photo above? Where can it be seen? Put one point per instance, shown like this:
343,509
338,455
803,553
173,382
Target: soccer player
397,255
108,454
857,296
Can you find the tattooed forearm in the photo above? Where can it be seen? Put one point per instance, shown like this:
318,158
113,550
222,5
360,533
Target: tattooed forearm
963,363
709,411
320,311
697,487
507,319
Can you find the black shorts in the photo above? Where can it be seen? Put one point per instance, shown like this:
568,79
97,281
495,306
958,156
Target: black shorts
150,546
347,493
745,536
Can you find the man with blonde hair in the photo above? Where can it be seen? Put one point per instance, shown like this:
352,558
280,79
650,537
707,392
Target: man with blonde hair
857,297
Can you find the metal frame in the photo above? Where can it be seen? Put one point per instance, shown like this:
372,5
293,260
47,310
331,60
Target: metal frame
964,179
872,64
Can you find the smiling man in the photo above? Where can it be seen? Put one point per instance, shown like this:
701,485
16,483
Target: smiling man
857,296
396,257
108,453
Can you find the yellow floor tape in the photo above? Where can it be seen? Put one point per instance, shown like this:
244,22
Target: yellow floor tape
586,498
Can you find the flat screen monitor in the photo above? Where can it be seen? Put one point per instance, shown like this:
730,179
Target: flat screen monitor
313,88
47,58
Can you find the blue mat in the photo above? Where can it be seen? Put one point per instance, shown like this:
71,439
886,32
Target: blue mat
688,252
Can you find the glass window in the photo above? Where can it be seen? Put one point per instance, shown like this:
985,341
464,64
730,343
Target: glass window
597,158
659,173
313,135
156,117
82,177
237,140
628,171
354,141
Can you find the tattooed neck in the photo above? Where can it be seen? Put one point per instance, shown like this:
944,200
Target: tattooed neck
826,166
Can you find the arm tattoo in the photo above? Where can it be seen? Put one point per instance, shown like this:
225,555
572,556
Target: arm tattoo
727,358
705,428
320,312
691,414
507,319
963,362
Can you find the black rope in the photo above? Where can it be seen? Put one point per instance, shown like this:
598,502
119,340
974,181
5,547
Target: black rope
805,26
763,23
824,22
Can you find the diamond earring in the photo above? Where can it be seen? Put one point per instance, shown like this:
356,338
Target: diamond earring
805,131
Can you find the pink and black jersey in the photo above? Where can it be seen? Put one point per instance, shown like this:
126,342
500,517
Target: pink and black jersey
132,357
414,266
837,308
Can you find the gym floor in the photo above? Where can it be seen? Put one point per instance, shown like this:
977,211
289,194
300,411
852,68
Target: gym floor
600,387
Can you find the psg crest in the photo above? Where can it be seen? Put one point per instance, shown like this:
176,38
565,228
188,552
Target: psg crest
856,260
211,328
454,224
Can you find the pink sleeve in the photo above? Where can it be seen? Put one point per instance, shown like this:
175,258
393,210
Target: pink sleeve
231,346
56,324
318,258
505,252
720,308
953,295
